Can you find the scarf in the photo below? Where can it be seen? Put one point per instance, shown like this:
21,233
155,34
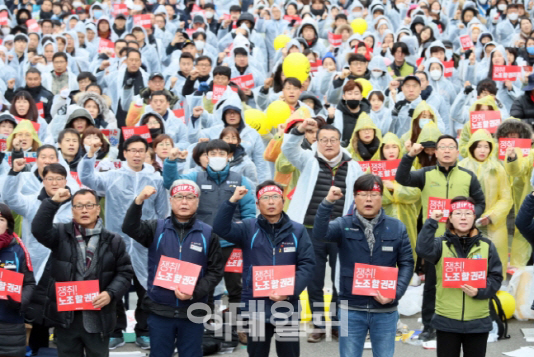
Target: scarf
87,250
369,226
5,240
368,150
532,95
334,161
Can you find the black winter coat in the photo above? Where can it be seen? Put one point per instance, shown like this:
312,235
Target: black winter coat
523,108
114,271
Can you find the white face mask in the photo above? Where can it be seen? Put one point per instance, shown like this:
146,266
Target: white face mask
376,74
217,163
436,11
86,147
358,14
482,2
435,74
6,30
501,7
513,17
423,122
209,15
448,53
199,45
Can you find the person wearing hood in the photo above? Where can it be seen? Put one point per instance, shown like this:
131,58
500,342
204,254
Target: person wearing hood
516,166
70,148
150,54
96,106
77,118
506,29
77,54
121,187
349,109
241,67
309,31
523,106
237,157
432,97
462,318
380,77
458,26
380,115
19,54
357,68
365,140
272,27
312,102
442,86
422,115
399,66
494,182
8,123
230,113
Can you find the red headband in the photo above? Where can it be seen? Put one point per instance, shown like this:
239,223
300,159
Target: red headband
271,188
463,205
376,188
184,188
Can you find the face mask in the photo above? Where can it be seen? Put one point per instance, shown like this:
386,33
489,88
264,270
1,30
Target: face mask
316,12
299,6
376,74
448,53
155,132
353,103
6,31
435,74
22,21
358,14
436,11
482,2
233,147
530,50
513,17
97,14
209,15
199,45
217,163
423,122
501,7
86,147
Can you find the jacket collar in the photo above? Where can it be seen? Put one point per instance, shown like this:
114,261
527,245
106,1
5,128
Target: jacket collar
218,176
277,231
357,222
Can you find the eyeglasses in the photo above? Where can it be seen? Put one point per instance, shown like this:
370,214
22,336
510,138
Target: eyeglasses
450,147
326,141
273,197
134,151
59,62
54,179
369,194
88,206
164,144
188,198
465,214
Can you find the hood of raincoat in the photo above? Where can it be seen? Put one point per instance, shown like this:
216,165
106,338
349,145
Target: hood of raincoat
421,107
487,100
481,135
102,106
391,138
428,63
364,122
24,126
403,29
514,125
293,42
377,62
313,24
500,48
75,111
318,106
429,134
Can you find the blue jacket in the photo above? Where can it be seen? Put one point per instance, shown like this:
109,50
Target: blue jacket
266,244
392,249
525,223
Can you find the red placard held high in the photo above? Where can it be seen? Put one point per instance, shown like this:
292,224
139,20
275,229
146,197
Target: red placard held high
244,82
466,42
142,131
506,73
441,204
173,273
235,262
489,120
523,144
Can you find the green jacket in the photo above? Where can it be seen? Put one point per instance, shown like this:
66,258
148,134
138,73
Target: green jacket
456,311
405,70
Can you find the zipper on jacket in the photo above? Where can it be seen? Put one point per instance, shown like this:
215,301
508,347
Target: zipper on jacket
463,305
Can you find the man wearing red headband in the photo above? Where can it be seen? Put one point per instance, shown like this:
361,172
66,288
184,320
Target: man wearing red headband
184,237
271,239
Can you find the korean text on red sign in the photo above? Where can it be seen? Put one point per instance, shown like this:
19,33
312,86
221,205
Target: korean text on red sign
142,131
523,144
143,21
506,73
76,295
385,169
448,68
10,284
334,39
234,264
441,204
175,274
466,42
458,271
369,279
276,279
489,120
244,82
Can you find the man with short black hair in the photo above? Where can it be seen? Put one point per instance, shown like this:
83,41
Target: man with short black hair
201,73
357,68
399,66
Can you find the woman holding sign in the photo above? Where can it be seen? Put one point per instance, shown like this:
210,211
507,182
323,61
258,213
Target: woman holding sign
468,272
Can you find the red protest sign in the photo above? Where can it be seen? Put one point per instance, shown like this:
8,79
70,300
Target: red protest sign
106,46
466,42
244,82
276,279
218,91
113,135
488,120
40,109
33,25
314,66
190,32
142,131
196,8
143,21
76,295
419,61
527,69
28,156
369,279
506,73
234,264
175,274
448,68
4,20
10,284
523,144
76,178
179,114
386,169
3,145
365,165
458,271
334,39
290,18
120,9
36,126
226,17
442,204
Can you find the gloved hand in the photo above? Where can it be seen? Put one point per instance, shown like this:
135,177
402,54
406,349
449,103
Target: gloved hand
12,304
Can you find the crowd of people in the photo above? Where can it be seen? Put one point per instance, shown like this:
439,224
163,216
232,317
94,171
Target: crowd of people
141,138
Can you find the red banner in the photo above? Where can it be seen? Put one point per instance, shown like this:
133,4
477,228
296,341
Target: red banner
523,144
489,120
76,295
3,145
113,135
506,73
466,42
190,32
218,91
419,61
10,284
76,178
33,25
334,39
179,114
120,9
369,279
386,169
441,204
142,131
527,69
235,262
116,164
4,20
314,66
449,68
107,47
175,274
40,109
244,82
458,271
276,279
29,156
290,18
143,21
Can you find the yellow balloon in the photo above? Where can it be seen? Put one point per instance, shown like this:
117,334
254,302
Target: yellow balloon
278,112
507,303
359,26
281,41
257,120
367,87
296,65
